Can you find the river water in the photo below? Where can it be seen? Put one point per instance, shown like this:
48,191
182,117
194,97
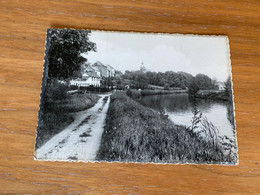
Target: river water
179,109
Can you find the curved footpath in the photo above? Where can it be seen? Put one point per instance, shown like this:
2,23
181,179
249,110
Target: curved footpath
81,139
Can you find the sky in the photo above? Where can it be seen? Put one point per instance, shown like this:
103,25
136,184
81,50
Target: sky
162,52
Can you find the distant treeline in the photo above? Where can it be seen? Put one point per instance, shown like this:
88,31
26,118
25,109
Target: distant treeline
169,79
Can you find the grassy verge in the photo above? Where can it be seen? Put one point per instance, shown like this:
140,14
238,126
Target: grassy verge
59,113
137,133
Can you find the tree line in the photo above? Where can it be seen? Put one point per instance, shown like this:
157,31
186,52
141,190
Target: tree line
170,79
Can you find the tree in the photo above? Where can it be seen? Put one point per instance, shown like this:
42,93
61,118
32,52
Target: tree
228,87
203,81
193,87
65,49
118,73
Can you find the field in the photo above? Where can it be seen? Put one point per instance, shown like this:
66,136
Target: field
134,133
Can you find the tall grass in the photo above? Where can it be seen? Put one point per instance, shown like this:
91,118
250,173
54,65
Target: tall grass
137,133
210,133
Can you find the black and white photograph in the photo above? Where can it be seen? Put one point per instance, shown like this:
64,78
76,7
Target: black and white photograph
136,98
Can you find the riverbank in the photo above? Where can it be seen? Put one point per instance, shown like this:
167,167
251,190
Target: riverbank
133,93
59,113
212,94
135,133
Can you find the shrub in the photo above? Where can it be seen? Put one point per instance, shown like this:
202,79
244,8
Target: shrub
56,90
135,94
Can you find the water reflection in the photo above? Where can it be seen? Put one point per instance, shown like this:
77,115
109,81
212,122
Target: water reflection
171,102
179,106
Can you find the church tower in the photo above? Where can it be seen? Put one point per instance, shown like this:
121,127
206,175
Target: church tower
142,68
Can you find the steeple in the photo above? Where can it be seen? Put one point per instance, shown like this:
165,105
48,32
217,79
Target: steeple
142,68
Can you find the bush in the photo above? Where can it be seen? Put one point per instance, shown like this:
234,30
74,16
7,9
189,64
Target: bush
56,90
135,94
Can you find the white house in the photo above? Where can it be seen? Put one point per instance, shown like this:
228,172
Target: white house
91,77
221,86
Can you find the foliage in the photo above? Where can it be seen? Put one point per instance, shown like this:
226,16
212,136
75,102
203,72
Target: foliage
193,87
228,87
168,79
55,90
195,119
65,48
137,133
201,82
118,73
135,94
230,106
204,82
205,129
106,82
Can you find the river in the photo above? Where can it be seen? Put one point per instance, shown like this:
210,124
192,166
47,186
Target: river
179,109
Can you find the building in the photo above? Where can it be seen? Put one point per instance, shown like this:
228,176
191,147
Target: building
110,71
105,70
221,85
90,77
102,68
142,68
93,74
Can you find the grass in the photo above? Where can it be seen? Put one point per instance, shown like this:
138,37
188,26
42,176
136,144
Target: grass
58,113
76,102
134,133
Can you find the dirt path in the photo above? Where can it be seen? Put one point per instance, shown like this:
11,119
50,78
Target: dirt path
81,139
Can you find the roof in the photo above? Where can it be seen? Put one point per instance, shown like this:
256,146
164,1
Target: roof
98,63
95,68
109,66
91,74
89,68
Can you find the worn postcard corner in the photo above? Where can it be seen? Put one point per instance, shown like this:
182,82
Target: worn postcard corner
136,98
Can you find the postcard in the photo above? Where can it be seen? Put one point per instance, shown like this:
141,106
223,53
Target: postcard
136,97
